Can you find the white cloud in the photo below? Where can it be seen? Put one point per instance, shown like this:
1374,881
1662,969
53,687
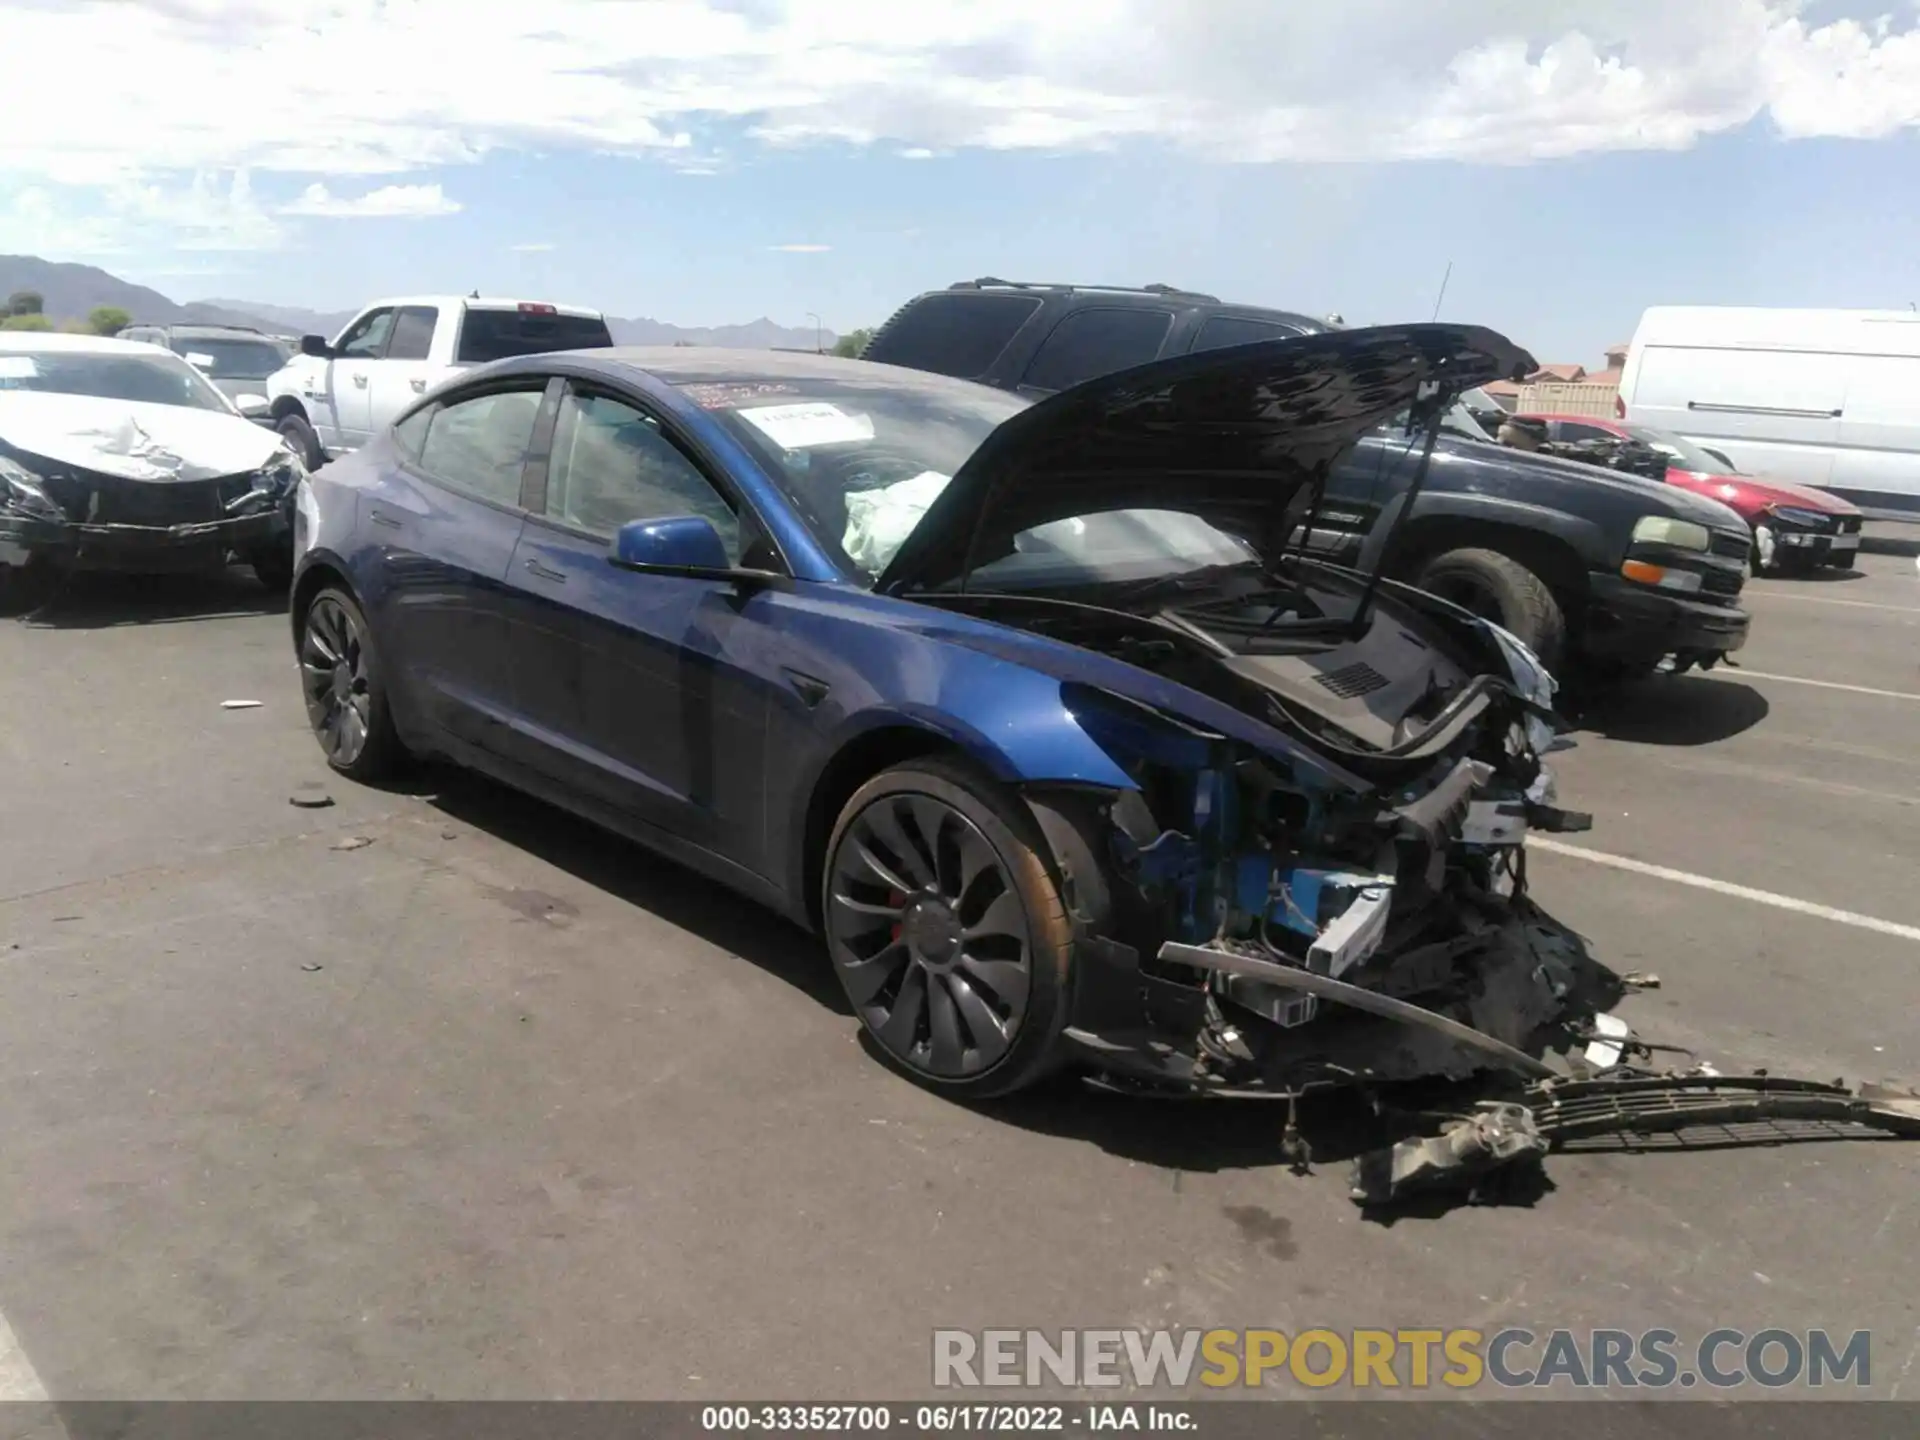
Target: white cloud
368,88
410,202
801,249
203,213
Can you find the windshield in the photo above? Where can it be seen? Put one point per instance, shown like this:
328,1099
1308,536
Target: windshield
1682,452
230,359
151,379
862,460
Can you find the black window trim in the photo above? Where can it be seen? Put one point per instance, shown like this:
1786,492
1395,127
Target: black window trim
545,386
533,489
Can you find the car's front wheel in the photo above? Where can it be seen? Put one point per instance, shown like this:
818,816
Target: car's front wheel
946,927
346,693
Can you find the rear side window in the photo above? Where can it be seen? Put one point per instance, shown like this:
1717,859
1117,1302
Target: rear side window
1098,342
959,335
480,445
412,337
1222,332
497,334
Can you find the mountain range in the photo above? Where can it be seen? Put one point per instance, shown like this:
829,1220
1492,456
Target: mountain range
69,291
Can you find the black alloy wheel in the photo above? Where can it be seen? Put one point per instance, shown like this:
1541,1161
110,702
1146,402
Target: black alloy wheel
340,678
946,929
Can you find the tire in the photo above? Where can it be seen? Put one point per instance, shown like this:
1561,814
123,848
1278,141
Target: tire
25,588
351,717
1499,588
960,977
273,566
299,434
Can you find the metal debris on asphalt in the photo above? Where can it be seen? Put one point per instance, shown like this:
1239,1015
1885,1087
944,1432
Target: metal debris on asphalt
240,704
351,842
310,797
1640,980
309,968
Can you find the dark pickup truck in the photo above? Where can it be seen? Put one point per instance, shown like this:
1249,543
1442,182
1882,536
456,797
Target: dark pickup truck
1602,574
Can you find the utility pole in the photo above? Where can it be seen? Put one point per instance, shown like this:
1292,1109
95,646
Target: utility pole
819,334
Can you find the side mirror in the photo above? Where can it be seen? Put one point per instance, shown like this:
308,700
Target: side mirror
316,346
252,406
682,543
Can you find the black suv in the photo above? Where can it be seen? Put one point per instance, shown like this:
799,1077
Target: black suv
1603,574
1042,338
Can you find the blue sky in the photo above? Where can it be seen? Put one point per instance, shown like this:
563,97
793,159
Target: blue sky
1750,153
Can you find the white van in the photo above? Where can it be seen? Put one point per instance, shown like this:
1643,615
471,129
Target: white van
1819,397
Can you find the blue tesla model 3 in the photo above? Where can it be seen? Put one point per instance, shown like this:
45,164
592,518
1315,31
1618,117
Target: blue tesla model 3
1033,711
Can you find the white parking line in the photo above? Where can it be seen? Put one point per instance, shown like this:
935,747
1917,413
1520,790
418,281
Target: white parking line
1768,593
1722,887
1823,684
17,1378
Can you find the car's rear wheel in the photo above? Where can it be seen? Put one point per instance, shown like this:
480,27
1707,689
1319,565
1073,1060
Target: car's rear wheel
299,435
1499,588
345,691
946,927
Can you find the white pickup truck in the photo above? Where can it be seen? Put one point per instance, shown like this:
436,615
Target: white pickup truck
336,395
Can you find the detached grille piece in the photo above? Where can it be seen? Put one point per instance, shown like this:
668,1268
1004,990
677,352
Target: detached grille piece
1351,681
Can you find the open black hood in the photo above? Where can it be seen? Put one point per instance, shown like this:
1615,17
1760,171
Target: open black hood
1236,436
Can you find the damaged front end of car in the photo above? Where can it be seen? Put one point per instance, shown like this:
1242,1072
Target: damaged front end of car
83,518
1316,878
1275,920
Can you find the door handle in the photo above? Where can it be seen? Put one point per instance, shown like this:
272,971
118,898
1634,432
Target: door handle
359,382
546,572
381,517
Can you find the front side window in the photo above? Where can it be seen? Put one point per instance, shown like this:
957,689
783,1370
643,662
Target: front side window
1094,342
612,465
368,337
480,445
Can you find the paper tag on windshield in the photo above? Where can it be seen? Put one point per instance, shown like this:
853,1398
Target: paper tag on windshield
17,367
800,427
205,362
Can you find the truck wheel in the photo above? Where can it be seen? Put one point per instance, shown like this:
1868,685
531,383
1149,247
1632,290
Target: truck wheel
1499,588
298,434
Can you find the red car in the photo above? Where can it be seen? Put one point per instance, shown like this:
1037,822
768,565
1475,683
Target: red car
1795,527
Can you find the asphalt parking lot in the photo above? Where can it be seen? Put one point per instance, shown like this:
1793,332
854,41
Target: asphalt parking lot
493,1106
